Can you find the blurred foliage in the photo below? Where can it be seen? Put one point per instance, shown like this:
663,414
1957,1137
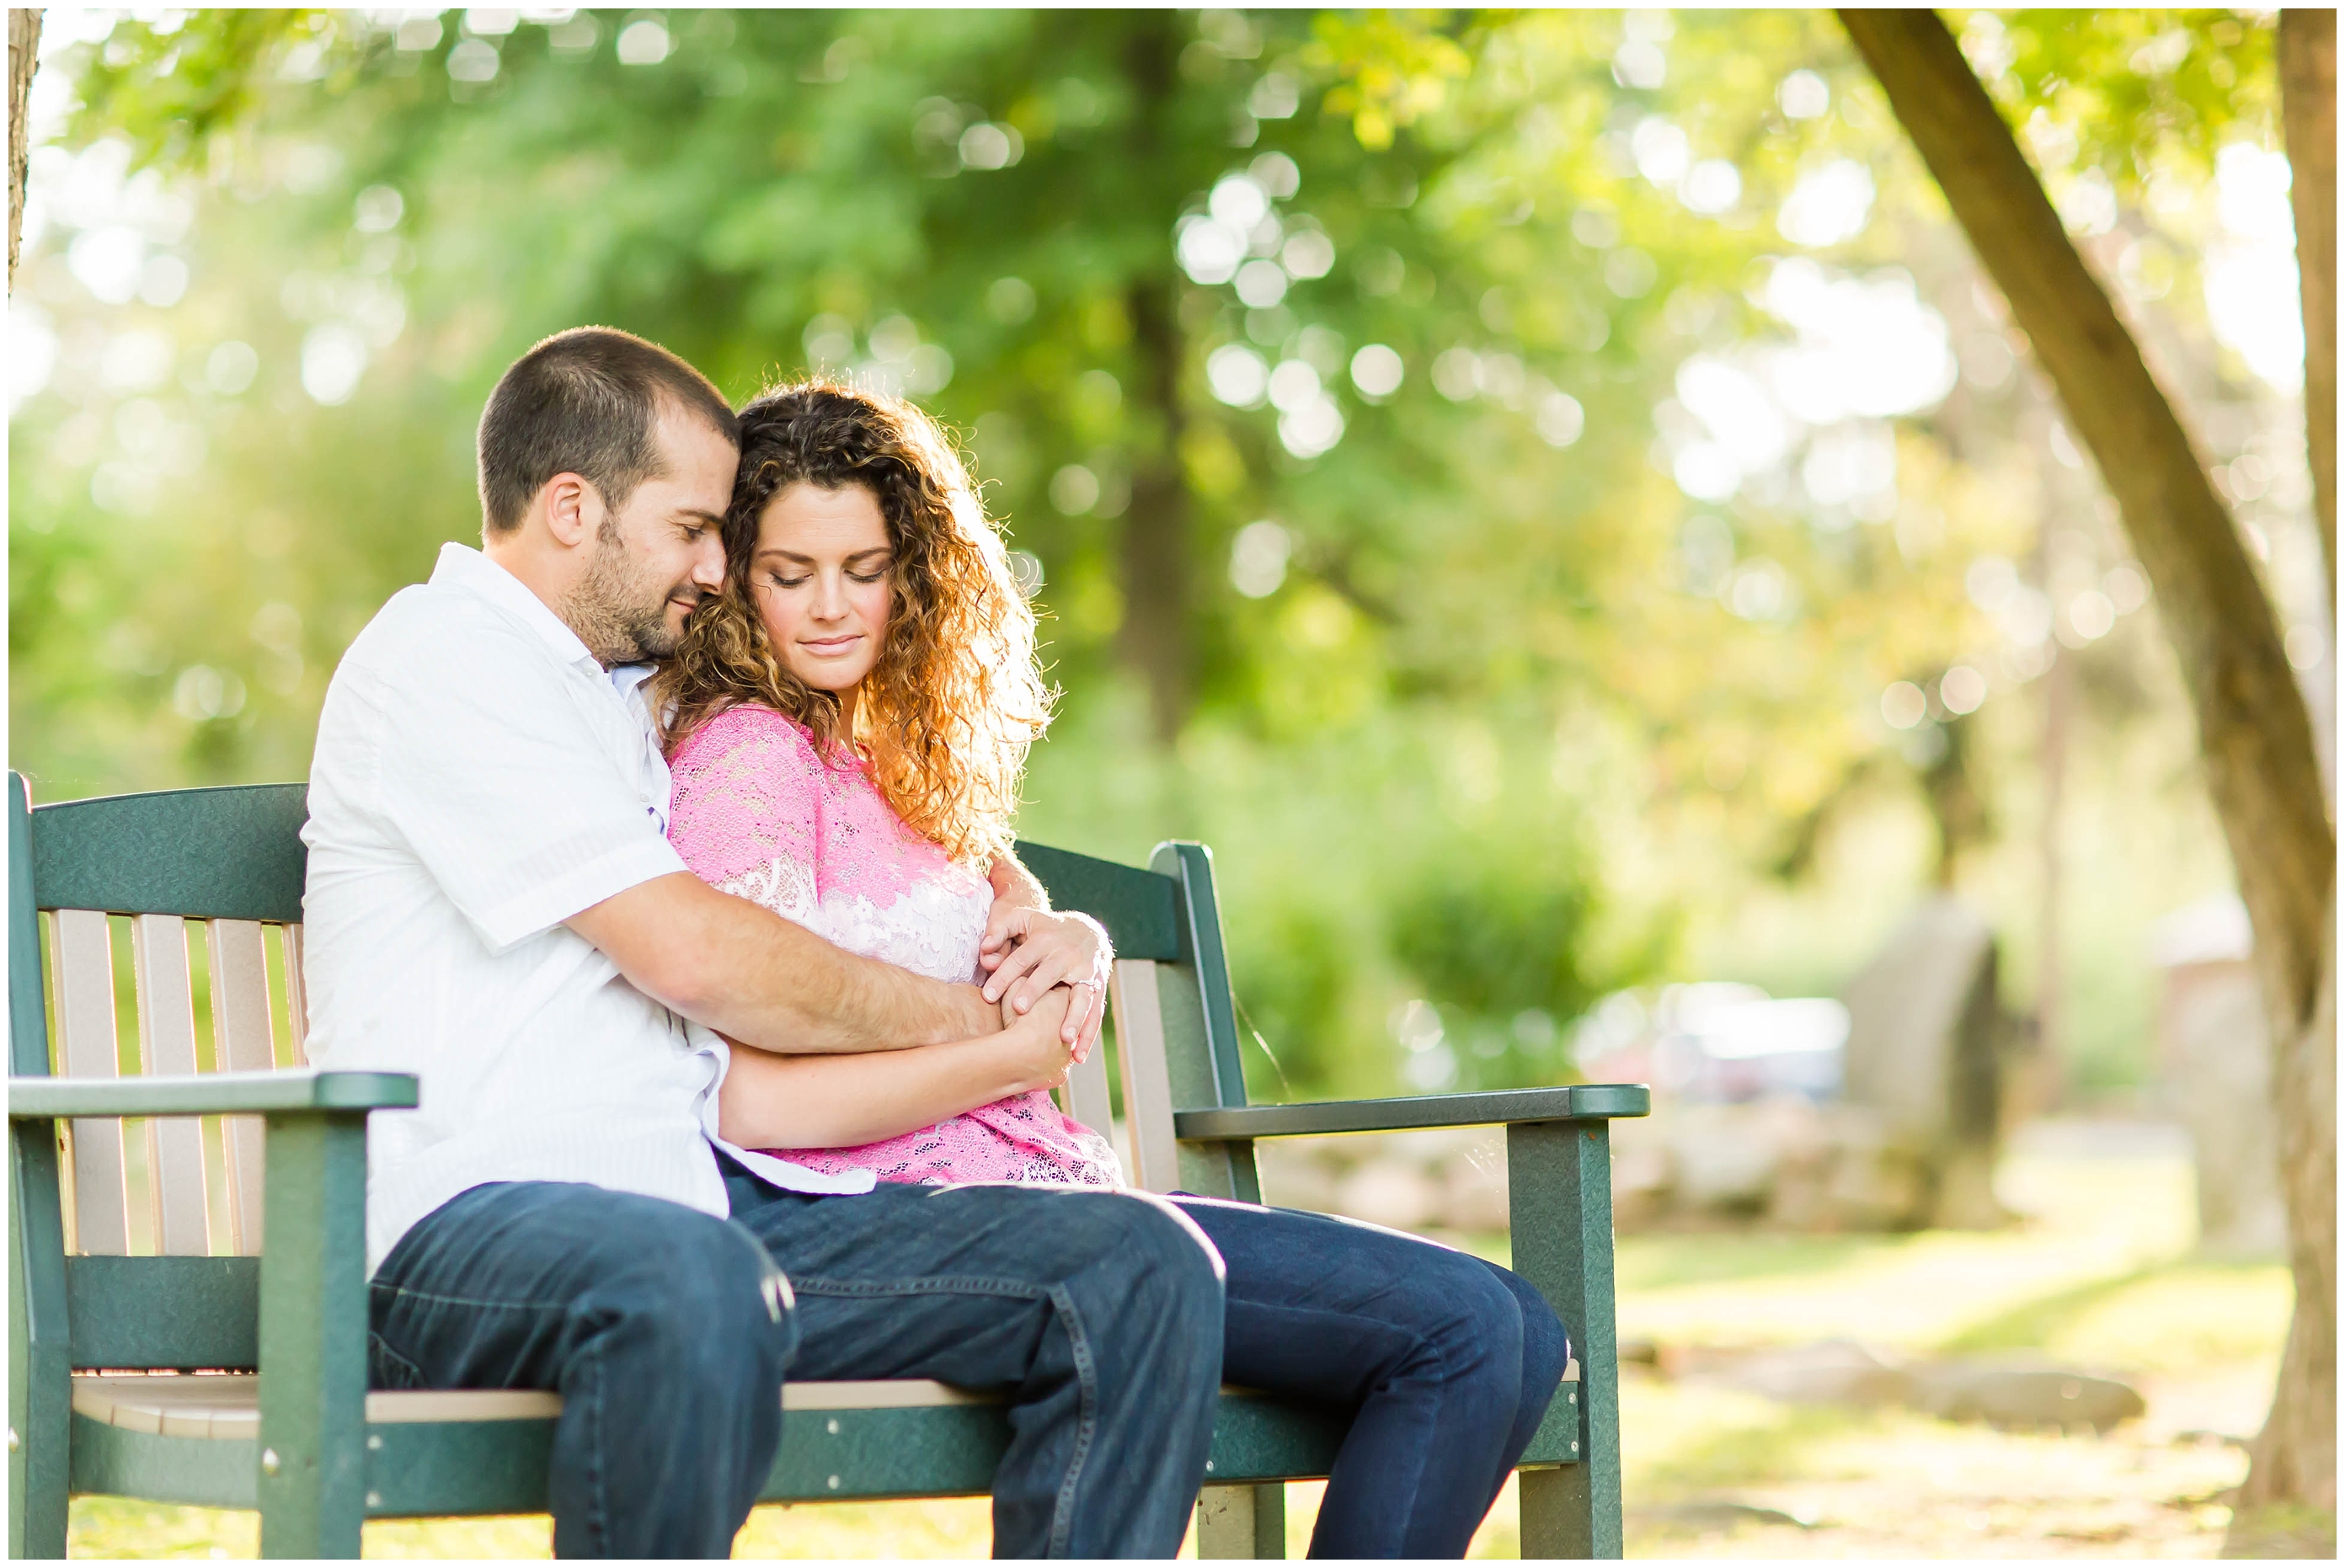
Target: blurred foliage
1480,705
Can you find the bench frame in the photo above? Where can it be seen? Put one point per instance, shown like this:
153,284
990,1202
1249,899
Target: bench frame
321,1454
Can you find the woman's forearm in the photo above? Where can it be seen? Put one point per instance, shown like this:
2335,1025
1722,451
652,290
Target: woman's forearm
838,1101
1014,885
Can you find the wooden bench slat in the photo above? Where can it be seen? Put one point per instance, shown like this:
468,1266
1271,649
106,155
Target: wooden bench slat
1086,1097
227,1405
89,1048
167,1045
244,1039
1147,1083
297,997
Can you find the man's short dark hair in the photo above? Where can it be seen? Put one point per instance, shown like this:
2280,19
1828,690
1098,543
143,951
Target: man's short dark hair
585,401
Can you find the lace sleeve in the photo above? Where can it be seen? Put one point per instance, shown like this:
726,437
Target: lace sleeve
746,806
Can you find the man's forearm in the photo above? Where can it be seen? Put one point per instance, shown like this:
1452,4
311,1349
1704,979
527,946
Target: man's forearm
769,982
776,986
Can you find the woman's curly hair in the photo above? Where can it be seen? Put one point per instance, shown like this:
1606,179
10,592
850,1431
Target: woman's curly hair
955,699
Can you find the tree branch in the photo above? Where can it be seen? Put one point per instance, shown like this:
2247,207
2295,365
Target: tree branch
2254,732
24,50
2308,97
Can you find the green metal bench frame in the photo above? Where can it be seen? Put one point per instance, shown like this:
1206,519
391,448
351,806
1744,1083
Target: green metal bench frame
297,1313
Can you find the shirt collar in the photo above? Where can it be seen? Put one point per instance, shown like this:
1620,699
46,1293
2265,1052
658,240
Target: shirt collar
462,566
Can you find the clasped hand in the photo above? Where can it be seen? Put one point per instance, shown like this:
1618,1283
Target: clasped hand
1028,952
1039,1054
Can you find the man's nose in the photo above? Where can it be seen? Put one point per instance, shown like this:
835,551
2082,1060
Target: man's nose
708,566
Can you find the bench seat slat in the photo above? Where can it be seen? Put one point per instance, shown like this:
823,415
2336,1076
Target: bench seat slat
428,1454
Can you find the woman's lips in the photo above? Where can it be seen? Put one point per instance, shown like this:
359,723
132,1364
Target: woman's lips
831,645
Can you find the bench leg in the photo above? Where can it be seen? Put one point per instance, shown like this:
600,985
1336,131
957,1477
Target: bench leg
40,1372
313,1327
1241,1520
1559,1189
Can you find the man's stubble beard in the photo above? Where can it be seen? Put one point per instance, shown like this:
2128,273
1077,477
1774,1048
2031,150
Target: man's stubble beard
622,618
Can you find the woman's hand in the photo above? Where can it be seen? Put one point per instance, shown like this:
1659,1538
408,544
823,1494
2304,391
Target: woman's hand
1037,1052
1028,951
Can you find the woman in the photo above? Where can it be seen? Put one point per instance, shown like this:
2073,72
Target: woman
846,725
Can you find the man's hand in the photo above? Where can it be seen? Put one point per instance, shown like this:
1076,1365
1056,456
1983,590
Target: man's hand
1028,951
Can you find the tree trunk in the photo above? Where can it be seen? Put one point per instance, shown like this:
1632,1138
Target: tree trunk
23,46
2255,735
2308,113
1156,544
1156,564
2058,691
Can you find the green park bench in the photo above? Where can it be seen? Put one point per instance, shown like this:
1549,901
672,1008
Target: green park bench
206,1370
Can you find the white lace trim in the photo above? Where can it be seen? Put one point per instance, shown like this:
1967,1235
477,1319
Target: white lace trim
929,929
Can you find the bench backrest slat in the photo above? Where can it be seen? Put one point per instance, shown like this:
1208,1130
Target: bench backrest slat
1140,909
166,1047
1085,1096
233,853
1139,1061
244,1039
297,996
87,1049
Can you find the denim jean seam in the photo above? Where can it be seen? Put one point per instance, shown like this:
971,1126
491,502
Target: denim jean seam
936,1286
1078,1342
1417,1451
589,1362
383,1345
1062,1517
437,1300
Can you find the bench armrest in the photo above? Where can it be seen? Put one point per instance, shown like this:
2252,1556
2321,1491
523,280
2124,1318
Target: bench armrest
1577,1102
32,1098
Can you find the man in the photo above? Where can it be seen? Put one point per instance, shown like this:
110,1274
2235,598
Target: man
493,904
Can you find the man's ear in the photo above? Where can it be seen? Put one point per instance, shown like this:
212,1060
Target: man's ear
574,508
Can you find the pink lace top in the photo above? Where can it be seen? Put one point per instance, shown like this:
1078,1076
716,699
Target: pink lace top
756,812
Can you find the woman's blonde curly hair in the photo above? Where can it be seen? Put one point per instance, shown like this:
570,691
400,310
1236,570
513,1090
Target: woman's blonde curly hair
956,698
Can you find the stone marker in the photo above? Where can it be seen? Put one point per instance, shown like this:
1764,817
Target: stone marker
2024,1395
1924,1029
2215,1057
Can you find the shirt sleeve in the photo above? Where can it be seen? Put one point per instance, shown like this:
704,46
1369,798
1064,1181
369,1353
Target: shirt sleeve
747,796
516,793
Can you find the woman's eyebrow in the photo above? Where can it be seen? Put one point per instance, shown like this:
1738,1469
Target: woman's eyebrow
809,561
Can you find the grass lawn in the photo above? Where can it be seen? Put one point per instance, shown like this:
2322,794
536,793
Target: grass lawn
2097,1273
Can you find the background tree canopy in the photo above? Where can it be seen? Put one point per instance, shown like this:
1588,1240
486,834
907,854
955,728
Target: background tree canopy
1548,496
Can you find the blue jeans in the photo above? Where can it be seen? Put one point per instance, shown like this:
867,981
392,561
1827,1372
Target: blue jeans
667,1333
1447,1361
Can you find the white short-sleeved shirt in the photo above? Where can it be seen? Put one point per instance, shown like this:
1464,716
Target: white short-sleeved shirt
479,779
